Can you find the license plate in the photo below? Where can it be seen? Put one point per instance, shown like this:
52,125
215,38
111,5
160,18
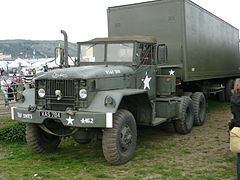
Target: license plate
50,114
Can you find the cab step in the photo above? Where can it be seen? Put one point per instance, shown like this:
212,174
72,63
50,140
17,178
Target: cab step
158,121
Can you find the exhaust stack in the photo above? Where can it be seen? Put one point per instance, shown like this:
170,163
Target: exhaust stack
65,58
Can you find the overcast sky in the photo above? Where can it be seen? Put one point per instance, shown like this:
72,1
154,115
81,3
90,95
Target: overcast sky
82,19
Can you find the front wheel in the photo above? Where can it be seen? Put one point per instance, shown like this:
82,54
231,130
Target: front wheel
119,142
39,141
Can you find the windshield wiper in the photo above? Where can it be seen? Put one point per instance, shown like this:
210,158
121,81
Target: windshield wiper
91,46
126,45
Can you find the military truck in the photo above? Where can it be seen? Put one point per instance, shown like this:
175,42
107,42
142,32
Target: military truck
159,63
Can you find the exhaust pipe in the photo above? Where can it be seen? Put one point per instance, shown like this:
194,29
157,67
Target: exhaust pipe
65,58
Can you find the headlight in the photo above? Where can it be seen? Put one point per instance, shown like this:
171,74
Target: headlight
41,93
83,93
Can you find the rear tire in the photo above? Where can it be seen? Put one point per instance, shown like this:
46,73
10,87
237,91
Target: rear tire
39,141
228,89
199,108
186,116
119,142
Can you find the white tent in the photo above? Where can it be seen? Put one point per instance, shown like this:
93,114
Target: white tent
3,64
18,62
40,64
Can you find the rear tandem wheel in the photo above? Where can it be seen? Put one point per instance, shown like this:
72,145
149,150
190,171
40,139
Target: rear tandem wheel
186,116
199,108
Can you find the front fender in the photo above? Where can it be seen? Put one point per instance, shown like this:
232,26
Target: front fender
98,103
29,98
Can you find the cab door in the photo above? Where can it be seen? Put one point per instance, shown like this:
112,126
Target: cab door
146,74
146,79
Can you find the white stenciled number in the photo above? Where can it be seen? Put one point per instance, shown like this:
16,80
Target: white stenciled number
87,120
91,120
25,116
114,71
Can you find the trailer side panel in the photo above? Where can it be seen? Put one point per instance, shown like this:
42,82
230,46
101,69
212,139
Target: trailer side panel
211,45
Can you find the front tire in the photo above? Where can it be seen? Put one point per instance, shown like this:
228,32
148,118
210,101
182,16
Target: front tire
186,118
119,142
39,141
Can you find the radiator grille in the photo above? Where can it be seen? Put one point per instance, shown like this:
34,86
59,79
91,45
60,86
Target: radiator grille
67,89
65,86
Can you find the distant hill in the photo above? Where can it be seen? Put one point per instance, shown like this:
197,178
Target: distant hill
25,48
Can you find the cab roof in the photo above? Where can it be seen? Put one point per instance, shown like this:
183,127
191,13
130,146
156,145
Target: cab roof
141,39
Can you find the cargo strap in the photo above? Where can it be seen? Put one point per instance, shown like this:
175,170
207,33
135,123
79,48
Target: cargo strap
43,127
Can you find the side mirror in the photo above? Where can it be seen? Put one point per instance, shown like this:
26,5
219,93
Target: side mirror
162,54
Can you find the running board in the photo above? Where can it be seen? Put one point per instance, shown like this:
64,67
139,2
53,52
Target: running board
158,121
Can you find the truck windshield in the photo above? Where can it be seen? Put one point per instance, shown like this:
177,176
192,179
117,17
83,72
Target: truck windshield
116,52
92,53
120,52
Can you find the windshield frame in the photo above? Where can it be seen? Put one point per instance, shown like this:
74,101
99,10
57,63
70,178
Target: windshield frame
132,62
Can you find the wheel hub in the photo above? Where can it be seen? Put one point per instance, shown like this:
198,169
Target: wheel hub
126,137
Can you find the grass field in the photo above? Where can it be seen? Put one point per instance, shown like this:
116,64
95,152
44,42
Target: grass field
202,155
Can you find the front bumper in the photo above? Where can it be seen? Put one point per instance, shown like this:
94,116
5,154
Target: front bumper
80,119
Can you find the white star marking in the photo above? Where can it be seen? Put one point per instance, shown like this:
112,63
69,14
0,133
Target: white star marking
171,72
146,81
69,120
